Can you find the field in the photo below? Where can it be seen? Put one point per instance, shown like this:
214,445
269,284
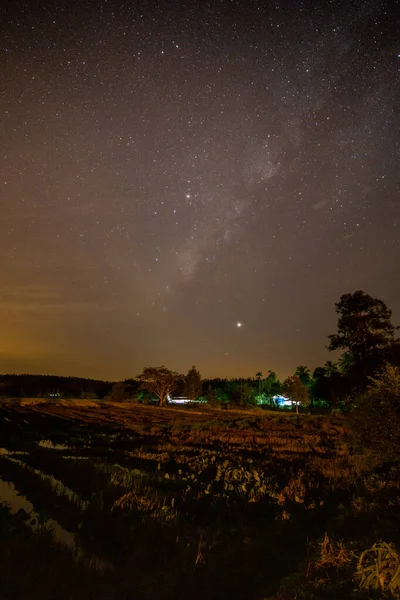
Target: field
102,500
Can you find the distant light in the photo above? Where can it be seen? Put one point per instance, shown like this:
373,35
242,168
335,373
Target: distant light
239,324
181,400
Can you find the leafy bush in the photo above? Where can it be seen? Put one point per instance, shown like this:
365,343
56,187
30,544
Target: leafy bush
376,416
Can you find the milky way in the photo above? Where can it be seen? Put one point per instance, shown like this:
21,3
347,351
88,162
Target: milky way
170,170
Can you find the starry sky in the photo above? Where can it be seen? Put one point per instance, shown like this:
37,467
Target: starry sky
193,182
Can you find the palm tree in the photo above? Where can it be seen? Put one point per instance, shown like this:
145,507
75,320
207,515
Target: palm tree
345,362
271,386
258,377
330,368
304,374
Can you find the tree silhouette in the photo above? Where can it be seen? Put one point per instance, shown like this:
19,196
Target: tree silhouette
271,385
259,377
242,393
364,325
330,368
118,392
304,374
376,417
297,391
159,381
193,385
345,362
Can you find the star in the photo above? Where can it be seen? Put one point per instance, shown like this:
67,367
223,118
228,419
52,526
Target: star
244,168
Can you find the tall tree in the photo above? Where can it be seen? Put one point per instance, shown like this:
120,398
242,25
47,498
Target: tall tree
328,385
364,325
159,381
193,384
345,362
296,391
210,395
241,393
304,374
330,368
259,377
271,386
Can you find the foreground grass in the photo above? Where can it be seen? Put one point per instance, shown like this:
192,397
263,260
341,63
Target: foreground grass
205,503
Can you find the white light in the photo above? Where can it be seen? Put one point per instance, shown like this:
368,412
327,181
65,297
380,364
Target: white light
180,400
238,324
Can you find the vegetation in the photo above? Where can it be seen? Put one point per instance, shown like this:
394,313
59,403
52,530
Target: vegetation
166,502
41,386
193,384
364,325
379,569
365,333
106,498
304,374
297,391
159,381
376,415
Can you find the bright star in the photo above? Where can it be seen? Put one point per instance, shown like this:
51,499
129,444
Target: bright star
238,324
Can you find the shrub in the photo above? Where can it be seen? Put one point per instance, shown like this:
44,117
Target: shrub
379,569
376,416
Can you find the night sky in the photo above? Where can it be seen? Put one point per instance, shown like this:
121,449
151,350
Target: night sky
193,182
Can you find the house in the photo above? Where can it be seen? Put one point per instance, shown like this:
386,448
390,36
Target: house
283,401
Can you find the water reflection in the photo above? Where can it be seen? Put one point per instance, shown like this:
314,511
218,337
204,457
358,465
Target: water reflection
16,502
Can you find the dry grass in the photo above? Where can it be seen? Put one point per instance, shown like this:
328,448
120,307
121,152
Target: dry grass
379,569
204,481
333,553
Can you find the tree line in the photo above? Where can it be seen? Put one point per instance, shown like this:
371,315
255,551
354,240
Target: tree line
365,335
42,386
364,381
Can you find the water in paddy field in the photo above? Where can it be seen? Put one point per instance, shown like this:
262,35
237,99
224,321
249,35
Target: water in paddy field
18,503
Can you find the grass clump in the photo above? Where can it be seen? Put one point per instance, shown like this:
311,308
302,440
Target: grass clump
379,569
